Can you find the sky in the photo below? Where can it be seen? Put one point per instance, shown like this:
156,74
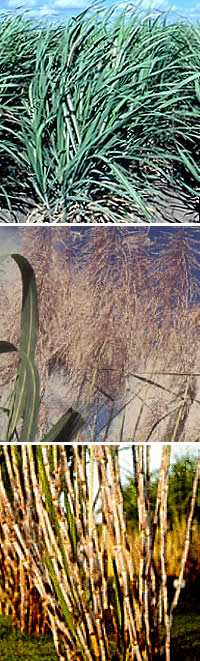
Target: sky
11,235
9,239
60,10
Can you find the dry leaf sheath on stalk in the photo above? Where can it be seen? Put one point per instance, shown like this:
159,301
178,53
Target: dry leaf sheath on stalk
97,603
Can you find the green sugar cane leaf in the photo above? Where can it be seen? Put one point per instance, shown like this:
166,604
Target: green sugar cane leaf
65,429
7,347
189,165
45,483
72,525
118,596
26,392
26,397
197,89
61,599
19,394
51,459
19,400
126,186
50,507
32,403
26,401
30,312
60,596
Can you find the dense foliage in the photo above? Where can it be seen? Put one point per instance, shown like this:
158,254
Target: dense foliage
181,476
94,112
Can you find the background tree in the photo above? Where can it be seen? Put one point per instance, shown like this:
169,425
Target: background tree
181,477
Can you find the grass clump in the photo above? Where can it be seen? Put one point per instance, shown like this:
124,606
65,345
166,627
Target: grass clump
15,645
93,113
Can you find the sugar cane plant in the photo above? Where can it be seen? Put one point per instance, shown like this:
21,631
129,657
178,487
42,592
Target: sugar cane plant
19,419
93,113
98,603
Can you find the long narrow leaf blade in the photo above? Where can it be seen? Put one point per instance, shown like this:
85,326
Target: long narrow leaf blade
30,312
66,428
32,404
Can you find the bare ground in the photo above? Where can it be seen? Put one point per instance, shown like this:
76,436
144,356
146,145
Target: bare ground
170,205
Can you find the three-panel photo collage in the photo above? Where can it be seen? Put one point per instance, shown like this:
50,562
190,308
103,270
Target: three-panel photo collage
99,331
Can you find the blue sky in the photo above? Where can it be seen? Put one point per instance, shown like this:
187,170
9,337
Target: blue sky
59,10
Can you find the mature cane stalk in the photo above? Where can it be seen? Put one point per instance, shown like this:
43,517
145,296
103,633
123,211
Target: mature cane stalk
163,542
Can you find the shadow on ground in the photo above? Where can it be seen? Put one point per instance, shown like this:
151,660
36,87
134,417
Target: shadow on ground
170,204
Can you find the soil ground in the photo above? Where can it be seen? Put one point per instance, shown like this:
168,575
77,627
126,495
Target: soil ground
170,205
